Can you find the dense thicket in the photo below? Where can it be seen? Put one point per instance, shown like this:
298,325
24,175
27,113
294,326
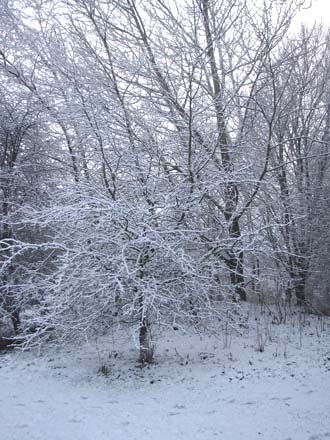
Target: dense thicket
160,162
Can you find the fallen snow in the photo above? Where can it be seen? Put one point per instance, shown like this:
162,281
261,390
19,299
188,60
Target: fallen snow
201,387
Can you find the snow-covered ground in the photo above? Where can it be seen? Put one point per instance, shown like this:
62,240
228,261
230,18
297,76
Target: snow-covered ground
201,387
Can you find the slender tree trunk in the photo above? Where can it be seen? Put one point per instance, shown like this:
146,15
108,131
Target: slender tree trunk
236,259
235,262
235,265
300,281
16,321
146,349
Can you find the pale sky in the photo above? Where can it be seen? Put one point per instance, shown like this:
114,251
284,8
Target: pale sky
319,11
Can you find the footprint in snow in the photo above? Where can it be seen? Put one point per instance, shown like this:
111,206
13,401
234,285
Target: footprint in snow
179,406
74,420
23,426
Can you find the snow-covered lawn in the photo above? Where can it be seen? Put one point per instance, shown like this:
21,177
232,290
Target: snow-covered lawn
201,387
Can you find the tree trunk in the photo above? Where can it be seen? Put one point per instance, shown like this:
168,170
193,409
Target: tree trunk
235,262
299,289
146,349
15,319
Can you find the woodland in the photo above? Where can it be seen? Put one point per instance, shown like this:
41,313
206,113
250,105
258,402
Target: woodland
162,162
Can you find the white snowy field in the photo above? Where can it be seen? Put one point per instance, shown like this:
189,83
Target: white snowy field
200,387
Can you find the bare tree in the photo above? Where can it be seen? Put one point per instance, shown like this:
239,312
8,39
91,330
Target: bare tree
300,155
182,145
21,167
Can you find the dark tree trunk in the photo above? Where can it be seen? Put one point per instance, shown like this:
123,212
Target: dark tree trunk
15,319
235,262
235,265
146,349
298,274
300,290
